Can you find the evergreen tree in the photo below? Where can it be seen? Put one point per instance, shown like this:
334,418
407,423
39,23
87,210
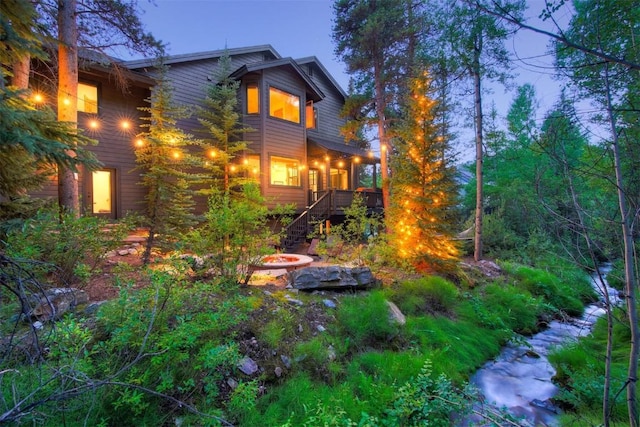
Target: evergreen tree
222,128
376,39
164,157
423,199
32,141
476,40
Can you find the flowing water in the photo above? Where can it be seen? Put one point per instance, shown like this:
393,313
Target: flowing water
519,379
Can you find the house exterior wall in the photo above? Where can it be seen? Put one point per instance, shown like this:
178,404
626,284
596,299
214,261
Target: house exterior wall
329,120
115,146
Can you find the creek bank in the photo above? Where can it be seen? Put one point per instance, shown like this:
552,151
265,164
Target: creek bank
520,378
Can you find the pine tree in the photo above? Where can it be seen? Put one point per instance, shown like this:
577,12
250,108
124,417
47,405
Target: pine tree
222,128
422,188
164,157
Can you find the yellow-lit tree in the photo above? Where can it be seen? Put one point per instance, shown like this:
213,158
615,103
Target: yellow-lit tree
423,191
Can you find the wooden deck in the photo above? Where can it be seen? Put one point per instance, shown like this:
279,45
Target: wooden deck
326,204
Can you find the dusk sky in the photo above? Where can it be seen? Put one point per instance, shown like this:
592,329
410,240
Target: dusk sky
300,28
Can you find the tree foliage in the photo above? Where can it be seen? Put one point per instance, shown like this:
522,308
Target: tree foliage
223,130
422,213
167,166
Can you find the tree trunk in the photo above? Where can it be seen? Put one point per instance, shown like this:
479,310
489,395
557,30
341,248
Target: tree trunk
21,70
68,195
630,278
382,135
477,250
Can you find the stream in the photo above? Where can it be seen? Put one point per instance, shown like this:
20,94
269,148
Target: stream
519,379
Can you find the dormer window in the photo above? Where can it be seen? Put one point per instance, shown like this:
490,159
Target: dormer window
284,105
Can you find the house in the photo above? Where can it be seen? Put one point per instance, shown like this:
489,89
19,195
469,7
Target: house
297,153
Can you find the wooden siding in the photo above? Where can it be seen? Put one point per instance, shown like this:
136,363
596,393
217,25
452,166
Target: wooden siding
283,138
115,148
329,120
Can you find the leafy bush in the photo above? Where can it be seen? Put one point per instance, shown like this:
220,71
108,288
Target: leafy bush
428,401
235,233
431,294
365,320
68,248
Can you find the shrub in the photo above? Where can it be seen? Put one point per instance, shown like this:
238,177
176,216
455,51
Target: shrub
68,248
431,294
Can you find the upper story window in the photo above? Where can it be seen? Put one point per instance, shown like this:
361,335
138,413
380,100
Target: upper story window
284,105
87,98
253,99
311,115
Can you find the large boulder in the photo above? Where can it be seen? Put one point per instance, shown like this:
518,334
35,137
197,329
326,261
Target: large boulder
331,277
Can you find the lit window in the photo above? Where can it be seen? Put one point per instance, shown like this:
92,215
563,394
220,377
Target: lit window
285,171
253,99
284,105
87,98
339,179
311,115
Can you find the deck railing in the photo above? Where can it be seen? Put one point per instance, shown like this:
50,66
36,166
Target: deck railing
326,204
297,231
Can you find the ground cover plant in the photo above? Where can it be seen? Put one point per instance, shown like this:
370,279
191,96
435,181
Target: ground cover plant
171,351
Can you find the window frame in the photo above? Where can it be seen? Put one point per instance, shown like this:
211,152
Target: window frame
82,103
284,118
256,86
287,178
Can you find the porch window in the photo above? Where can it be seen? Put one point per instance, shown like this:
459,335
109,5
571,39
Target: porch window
285,171
339,179
284,105
87,98
253,99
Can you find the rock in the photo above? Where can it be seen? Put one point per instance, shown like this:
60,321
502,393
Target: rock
329,303
38,325
395,314
123,252
233,384
320,328
132,251
293,301
286,361
278,371
56,302
547,405
330,277
248,366
331,353
92,308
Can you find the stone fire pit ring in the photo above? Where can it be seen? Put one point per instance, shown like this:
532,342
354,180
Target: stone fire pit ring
283,261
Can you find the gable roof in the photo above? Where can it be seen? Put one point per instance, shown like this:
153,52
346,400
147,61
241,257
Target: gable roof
316,61
316,93
198,56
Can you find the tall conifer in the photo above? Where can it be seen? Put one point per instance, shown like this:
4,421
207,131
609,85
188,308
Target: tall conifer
167,163
422,188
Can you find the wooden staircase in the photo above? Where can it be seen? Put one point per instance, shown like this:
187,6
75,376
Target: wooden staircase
298,230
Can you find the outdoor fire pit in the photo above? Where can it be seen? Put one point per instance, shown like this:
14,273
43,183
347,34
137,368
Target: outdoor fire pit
286,261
